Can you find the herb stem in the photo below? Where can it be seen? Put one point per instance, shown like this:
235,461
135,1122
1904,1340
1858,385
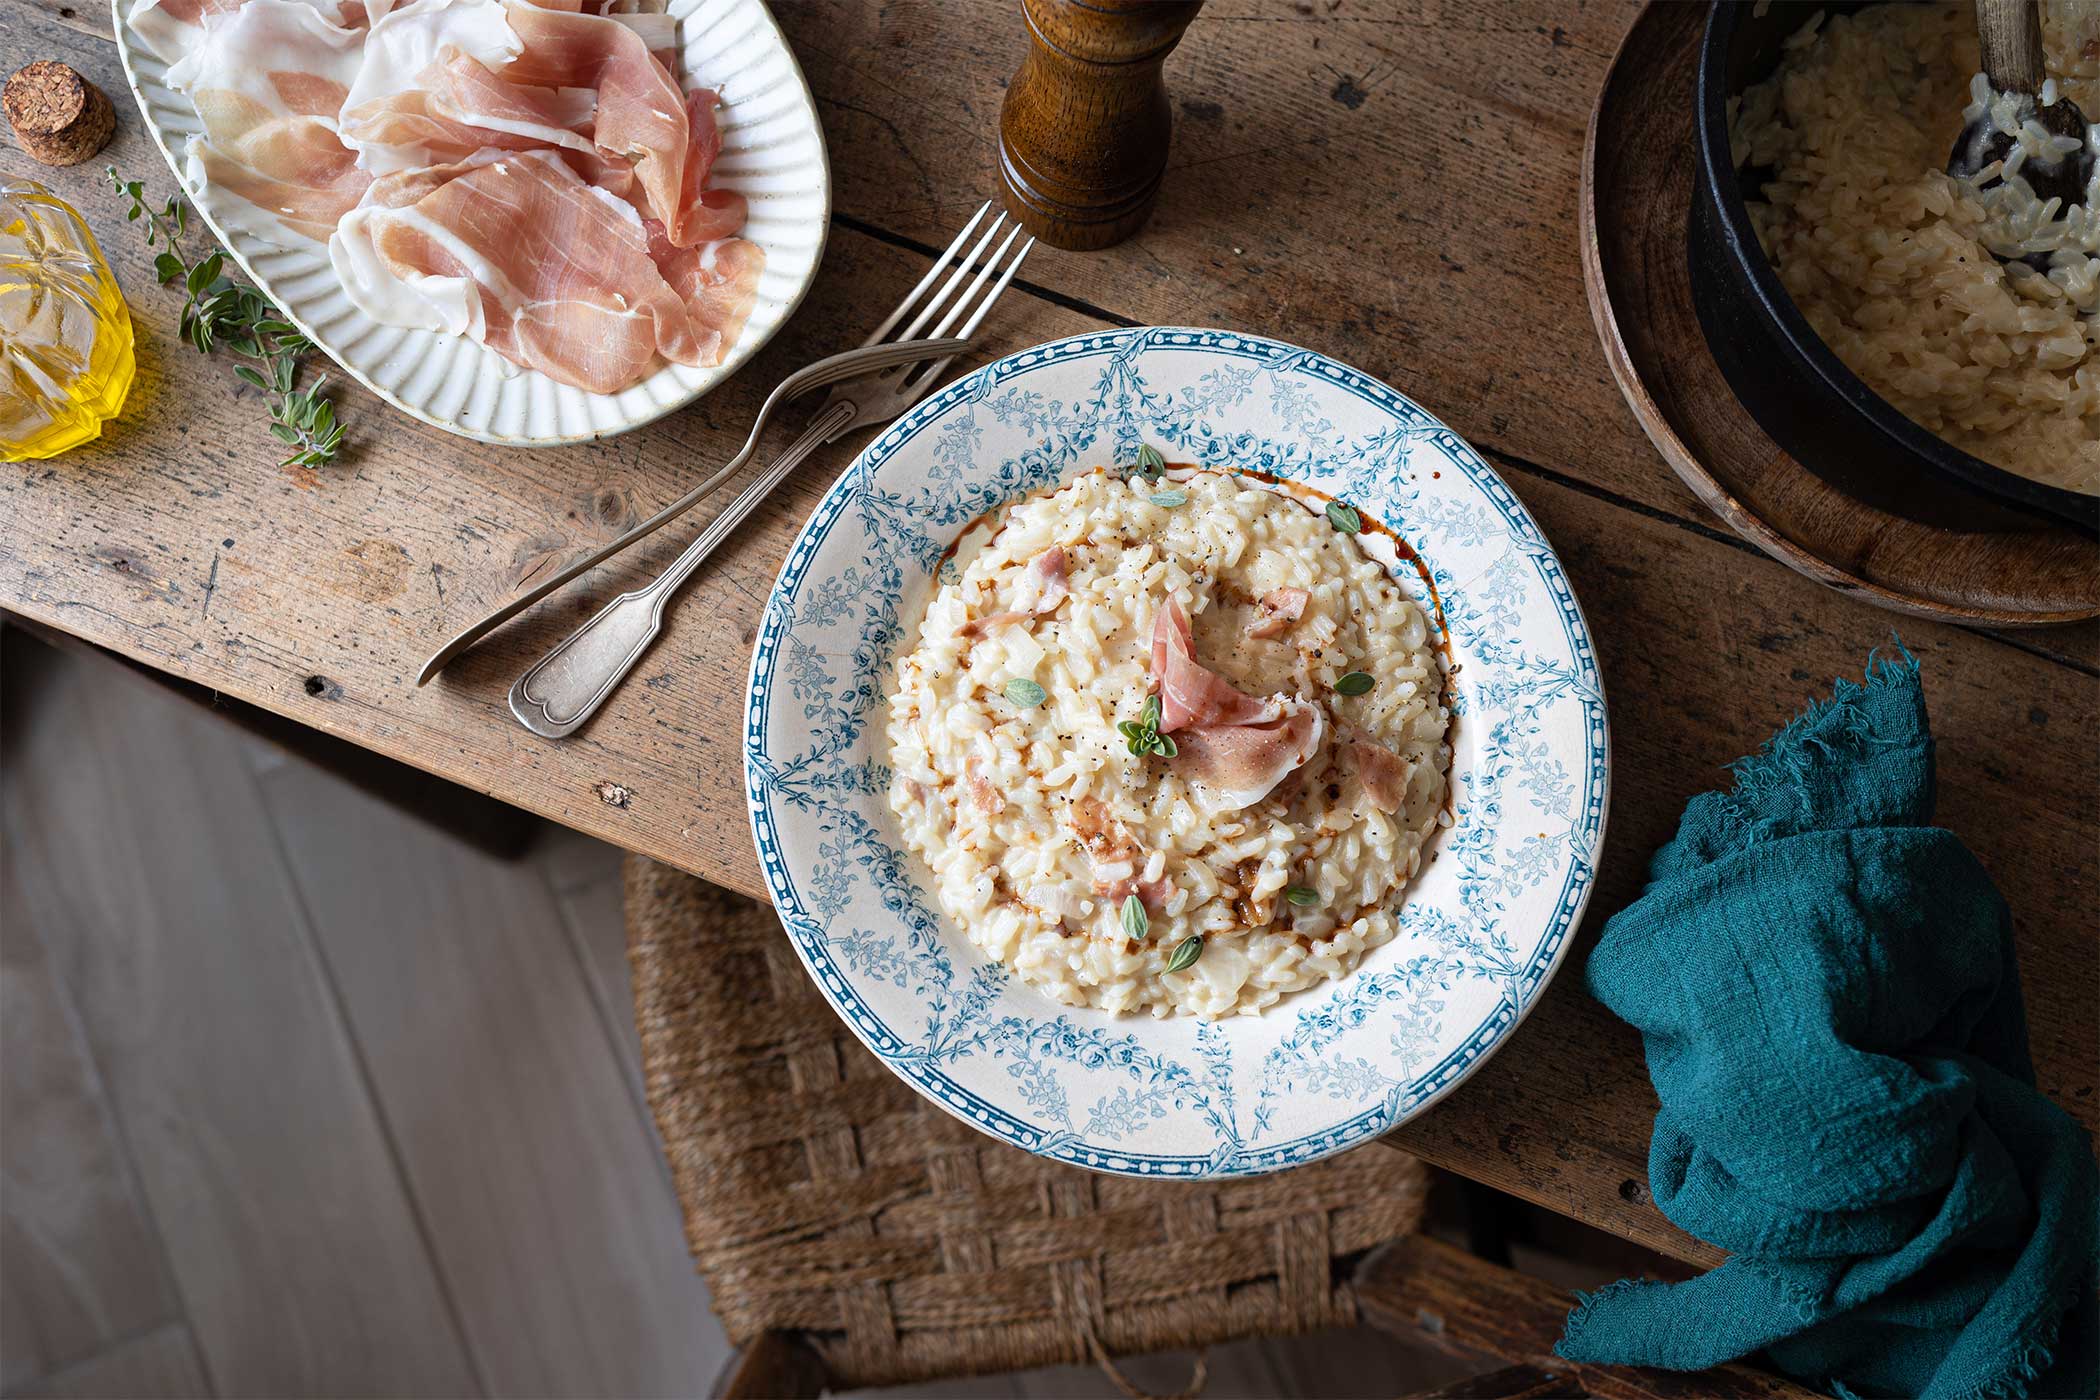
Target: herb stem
218,311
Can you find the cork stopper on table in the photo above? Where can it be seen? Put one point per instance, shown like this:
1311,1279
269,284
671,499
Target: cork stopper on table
59,117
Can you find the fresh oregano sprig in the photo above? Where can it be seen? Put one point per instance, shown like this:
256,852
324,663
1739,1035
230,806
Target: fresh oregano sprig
220,312
1142,734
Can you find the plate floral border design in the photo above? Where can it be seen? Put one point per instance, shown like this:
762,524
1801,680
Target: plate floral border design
1483,928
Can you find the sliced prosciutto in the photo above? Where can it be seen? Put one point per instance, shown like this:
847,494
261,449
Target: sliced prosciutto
267,82
461,106
1040,588
1189,692
171,29
415,89
709,214
351,122
1379,769
718,282
1240,764
1277,611
642,117
550,272
1236,747
1116,862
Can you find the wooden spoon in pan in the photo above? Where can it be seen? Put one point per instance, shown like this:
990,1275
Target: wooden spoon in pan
2011,31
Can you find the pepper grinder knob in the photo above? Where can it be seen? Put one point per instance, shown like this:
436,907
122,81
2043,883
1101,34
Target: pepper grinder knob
1084,129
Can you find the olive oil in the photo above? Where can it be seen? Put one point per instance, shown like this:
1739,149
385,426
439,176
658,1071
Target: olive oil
66,359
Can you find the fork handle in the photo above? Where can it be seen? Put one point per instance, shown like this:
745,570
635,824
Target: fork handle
566,686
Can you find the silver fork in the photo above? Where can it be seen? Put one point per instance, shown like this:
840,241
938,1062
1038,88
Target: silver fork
848,364
566,686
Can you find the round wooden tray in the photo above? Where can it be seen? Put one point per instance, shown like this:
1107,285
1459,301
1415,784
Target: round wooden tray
1923,546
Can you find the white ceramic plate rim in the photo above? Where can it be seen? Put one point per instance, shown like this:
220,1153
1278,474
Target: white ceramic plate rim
756,331
1472,1049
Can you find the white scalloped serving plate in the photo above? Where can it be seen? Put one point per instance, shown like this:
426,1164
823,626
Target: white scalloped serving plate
772,154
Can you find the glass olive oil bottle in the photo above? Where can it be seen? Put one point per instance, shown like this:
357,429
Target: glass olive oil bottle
66,360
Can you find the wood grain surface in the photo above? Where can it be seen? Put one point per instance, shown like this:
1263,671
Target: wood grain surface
1466,1305
1921,545
1394,186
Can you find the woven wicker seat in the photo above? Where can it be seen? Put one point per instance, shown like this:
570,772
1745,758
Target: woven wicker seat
852,1234
824,1196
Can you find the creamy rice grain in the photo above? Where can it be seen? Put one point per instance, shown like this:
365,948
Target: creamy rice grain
1029,817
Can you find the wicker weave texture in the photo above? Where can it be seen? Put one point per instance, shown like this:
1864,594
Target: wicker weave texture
822,1194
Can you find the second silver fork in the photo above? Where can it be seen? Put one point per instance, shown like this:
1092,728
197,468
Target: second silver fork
566,686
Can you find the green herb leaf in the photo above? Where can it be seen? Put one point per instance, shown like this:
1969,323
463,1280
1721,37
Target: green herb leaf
1355,683
1025,693
1185,956
1344,517
205,273
1304,896
1135,922
1167,500
1143,733
218,312
1150,465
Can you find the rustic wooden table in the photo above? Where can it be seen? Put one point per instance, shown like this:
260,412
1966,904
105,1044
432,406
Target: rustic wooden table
1392,185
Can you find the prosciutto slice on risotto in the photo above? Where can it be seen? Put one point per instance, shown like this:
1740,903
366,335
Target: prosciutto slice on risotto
1234,746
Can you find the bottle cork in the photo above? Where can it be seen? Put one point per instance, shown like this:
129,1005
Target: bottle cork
59,117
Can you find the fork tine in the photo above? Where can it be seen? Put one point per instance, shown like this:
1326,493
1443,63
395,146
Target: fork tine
932,373
940,265
984,275
955,279
998,289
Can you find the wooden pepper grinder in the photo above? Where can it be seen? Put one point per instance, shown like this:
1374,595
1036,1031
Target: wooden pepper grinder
1083,132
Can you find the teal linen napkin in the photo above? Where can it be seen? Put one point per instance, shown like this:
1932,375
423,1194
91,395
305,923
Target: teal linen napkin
1825,987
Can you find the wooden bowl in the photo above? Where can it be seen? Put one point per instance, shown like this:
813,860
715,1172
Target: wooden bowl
1792,383
1978,562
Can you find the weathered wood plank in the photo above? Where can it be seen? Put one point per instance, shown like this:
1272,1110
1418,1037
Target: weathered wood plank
1394,185
541,1184
288,1230
80,1264
1428,1289
593,918
160,1365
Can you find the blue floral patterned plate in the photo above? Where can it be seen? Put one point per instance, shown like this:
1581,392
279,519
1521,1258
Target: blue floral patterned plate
1482,928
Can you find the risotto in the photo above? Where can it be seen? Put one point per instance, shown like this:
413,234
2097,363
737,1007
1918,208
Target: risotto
1171,746
1886,255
